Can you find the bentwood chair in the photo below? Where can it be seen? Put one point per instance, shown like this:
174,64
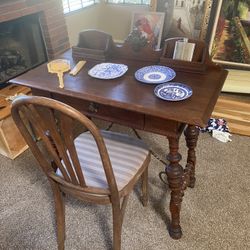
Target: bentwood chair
96,166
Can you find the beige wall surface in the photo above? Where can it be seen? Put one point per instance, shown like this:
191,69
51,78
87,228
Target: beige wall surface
87,18
114,19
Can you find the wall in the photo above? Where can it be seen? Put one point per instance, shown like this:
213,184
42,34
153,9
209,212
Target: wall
87,18
114,19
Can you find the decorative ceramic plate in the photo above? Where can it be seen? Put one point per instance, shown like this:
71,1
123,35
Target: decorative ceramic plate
173,91
155,74
108,70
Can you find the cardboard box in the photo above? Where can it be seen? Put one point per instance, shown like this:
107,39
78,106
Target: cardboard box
12,143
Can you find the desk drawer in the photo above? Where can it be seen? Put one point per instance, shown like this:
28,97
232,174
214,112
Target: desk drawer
163,127
105,112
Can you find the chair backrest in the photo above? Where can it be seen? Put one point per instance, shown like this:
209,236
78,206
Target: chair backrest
53,123
94,39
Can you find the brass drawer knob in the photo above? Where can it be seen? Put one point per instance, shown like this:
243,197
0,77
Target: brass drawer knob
93,107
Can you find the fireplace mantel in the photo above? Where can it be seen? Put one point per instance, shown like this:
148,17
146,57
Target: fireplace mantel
51,16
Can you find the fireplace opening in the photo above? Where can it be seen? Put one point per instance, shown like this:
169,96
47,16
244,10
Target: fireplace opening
22,47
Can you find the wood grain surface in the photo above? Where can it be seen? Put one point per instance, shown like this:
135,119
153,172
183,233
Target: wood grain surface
235,109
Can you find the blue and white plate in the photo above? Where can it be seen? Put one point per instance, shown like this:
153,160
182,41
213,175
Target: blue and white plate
173,91
108,70
155,74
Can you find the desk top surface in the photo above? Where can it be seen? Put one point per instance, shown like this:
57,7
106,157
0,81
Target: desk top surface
126,92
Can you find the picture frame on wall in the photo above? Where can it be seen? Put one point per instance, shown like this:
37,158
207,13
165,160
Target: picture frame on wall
184,18
230,37
149,25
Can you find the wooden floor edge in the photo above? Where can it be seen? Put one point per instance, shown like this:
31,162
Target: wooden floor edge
236,112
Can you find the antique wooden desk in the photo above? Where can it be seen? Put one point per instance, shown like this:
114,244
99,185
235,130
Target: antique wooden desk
129,102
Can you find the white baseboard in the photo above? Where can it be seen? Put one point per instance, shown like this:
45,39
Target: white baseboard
238,81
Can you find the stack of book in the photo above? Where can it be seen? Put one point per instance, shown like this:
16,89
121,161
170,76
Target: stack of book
183,50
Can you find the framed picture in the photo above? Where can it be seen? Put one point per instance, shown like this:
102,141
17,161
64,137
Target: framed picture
184,18
149,25
230,38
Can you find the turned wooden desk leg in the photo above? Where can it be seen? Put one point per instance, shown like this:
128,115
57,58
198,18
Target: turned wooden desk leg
191,134
174,173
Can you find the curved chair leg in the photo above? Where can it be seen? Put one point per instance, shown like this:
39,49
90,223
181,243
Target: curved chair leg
117,227
60,215
145,187
118,215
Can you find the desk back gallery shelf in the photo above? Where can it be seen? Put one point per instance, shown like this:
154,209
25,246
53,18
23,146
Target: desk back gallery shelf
106,49
199,62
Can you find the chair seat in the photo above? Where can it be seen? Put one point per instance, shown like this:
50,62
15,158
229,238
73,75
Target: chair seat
126,153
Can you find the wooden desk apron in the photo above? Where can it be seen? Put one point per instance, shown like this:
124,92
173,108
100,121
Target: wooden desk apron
129,102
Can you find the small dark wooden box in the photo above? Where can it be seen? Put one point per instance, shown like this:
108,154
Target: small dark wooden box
93,45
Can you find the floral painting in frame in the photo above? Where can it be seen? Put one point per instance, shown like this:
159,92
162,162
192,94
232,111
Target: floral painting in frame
149,25
230,39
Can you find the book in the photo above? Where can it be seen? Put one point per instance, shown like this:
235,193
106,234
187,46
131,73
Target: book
183,50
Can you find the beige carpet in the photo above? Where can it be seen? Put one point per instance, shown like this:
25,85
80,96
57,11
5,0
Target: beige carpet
215,214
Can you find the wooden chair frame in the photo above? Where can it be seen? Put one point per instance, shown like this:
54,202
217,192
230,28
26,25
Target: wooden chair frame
53,123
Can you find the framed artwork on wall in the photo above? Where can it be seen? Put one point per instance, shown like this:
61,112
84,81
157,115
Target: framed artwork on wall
230,37
184,18
149,25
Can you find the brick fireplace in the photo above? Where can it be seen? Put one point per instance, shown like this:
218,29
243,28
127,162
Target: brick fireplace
55,34
51,16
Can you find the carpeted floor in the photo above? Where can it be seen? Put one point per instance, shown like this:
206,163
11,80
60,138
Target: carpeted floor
215,214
